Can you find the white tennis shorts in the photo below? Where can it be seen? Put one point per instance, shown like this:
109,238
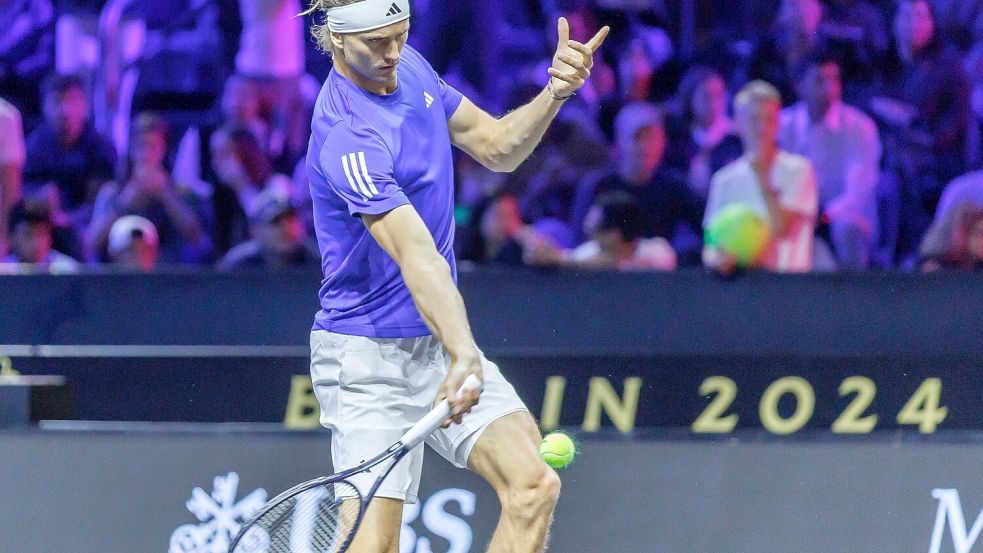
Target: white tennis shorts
372,390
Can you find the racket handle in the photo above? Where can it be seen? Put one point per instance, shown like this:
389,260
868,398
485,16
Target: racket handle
436,417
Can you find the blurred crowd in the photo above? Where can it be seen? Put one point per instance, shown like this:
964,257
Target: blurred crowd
138,135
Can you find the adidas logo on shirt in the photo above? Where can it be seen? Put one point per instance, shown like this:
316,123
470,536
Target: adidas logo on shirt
427,98
393,10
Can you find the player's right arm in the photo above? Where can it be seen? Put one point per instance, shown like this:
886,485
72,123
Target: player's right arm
359,168
404,236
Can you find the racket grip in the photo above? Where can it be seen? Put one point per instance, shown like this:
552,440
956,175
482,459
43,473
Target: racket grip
436,417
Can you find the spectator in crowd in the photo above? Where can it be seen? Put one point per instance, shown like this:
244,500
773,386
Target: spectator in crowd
955,242
925,114
614,223
279,239
134,244
780,186
271,61
240,107
27,53
31,241
844,147
794,36
501,229
856,32
147,189
642,67
572,147
244,171
701,134
67,150
668,208
181,68
967,188
12,154
645,53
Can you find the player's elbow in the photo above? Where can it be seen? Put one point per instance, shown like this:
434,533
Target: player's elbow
507,166
498,161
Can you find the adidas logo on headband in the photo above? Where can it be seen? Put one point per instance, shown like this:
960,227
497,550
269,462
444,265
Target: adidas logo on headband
367,15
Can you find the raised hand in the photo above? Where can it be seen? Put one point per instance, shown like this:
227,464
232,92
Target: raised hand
573,60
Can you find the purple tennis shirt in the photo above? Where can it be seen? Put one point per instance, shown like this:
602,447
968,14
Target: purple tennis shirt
369,154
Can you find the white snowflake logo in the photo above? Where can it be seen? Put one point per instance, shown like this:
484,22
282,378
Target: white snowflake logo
220,516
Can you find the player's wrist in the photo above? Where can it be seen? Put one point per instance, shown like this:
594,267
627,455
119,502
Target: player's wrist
554,95
464,355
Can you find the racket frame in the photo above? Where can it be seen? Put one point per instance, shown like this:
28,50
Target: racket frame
412,438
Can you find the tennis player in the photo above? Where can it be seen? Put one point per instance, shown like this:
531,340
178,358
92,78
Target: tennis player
392,336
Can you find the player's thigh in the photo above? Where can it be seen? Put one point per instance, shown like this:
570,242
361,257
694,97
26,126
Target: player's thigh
379,531
507,453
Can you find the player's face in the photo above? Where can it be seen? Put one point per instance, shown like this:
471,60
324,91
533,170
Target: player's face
374,55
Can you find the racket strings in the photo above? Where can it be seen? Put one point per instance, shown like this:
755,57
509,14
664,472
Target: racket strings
318,520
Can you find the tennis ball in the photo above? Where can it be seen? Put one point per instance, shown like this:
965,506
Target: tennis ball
558,450
740,231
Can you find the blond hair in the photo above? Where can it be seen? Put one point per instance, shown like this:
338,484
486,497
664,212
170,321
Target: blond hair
320,32
756,92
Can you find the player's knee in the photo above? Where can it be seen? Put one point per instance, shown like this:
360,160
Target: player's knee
535,495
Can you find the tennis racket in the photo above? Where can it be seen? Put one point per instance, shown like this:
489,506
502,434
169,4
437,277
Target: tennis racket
323,514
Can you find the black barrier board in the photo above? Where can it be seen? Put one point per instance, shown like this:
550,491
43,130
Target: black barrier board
704,396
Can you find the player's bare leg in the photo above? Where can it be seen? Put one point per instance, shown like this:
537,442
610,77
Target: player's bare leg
379,531
507,456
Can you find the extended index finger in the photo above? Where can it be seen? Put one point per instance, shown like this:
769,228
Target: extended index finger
598,39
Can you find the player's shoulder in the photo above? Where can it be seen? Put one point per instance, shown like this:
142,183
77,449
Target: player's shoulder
418,64
351,134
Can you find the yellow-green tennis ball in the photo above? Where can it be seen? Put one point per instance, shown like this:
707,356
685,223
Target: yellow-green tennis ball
558,450
740,231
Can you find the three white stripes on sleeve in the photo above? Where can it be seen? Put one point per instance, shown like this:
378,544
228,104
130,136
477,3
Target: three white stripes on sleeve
358,174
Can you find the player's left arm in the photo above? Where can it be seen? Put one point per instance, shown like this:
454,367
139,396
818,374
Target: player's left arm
503,144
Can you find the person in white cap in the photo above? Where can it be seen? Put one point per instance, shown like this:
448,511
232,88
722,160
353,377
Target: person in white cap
133,244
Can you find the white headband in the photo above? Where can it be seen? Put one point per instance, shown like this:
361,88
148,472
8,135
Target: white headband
367,15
